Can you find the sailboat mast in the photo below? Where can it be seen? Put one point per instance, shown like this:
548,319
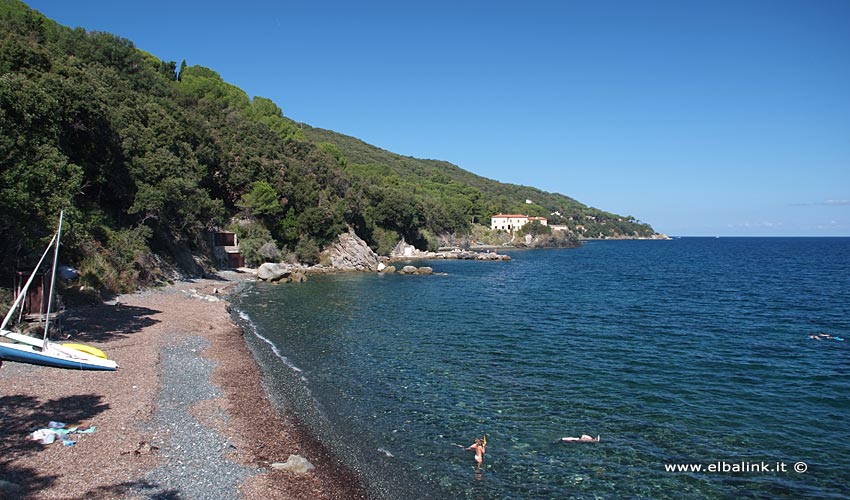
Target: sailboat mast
53,276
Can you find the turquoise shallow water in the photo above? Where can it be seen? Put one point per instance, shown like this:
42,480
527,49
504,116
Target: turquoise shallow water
692,351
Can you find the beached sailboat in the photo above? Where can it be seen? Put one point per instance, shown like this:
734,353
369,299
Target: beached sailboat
31,350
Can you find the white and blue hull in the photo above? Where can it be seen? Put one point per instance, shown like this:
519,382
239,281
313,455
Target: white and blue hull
54,356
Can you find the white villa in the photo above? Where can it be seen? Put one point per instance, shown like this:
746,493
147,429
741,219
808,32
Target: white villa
511,222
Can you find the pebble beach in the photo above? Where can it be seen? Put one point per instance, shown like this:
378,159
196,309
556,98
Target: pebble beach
185,416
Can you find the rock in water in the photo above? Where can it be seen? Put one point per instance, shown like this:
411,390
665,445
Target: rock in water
295,464
408,270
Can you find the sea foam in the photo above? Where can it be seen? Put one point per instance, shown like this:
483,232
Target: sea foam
247,319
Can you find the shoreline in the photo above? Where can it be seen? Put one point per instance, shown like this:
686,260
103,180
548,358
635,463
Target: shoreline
186,414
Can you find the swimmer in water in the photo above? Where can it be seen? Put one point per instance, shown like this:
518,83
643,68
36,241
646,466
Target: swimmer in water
822,336
583,439
480,447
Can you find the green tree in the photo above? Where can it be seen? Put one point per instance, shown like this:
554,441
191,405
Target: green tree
335,152
307,251
203,83
268,113
254,241
400,211
262,200
535,228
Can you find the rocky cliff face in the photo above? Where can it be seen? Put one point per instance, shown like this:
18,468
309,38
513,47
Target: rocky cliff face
350,253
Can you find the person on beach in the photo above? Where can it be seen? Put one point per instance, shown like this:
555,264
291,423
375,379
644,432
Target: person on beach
480,447
583,439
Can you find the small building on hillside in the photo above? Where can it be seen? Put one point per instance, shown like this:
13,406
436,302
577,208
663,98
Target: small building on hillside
513,222
226,250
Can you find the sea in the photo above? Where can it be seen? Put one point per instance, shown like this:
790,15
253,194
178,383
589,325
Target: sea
691,359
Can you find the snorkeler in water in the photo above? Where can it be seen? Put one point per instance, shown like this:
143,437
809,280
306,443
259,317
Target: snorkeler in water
823,336
583,439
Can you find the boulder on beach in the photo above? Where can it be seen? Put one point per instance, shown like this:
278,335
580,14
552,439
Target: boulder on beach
273,272
388,269
408,270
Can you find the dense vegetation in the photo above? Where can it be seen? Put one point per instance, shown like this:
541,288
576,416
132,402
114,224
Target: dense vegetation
146,158
465,198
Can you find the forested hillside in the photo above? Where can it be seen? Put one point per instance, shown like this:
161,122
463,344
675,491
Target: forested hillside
473,196
147,157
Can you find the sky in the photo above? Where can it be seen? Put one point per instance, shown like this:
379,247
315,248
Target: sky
701,118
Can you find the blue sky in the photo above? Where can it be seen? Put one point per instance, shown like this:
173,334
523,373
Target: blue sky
701,118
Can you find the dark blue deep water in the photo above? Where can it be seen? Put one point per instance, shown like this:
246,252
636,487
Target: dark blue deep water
691,351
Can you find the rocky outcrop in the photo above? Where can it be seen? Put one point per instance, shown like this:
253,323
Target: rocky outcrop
383,268
453,254
403,251
412,270
350,253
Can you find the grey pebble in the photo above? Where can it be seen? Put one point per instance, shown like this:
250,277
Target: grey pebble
193,461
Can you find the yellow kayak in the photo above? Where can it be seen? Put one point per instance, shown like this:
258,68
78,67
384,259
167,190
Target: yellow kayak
94,351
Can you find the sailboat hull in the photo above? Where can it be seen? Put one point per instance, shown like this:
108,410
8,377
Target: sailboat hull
54,357
26,349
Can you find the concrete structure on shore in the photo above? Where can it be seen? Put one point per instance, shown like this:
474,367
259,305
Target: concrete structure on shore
512,222
225,247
